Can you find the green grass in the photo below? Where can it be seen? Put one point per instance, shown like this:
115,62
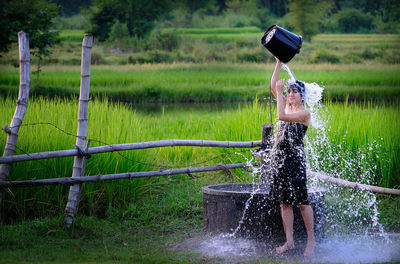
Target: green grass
202,31
72,35
96,241
365,134
116,123
206,82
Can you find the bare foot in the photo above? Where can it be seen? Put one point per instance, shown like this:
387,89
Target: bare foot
309,251
285,247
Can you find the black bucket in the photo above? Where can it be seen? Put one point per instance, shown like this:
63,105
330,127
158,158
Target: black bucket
282,43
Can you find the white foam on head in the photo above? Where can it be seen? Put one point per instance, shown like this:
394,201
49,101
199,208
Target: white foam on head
312,95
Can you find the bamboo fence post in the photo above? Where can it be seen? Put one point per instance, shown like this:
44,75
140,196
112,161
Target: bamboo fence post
79,161
22,104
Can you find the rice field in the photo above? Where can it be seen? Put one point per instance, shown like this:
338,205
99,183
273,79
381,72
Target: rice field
216,99
355,126
216,82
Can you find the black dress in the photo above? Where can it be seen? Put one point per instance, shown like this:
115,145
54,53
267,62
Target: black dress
288,164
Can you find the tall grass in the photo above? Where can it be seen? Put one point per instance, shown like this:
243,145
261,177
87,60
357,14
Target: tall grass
117,123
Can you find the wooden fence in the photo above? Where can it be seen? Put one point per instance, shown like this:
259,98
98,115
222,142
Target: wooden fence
83,150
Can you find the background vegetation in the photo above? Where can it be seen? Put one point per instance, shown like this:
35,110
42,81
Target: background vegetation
189,70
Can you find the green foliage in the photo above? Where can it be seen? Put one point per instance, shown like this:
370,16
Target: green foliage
389,210
31,16
323,55
305,15
119,32
163,40
96,58
70,7
138,15
77,22
103,18
351,20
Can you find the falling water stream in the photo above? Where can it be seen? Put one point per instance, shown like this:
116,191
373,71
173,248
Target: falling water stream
353,233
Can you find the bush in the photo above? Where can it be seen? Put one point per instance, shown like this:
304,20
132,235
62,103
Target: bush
391,27
119,36
322,55
138,58
180,56
248,57
390,57
352,58
158,56
72,22
73,61
118,31
369,54
163,40
237,20
351,20
97,58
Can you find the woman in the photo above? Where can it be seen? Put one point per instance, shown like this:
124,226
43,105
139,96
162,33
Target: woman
288,160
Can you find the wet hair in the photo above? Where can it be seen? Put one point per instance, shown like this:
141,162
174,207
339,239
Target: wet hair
299,86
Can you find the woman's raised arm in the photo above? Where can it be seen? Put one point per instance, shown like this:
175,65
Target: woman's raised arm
274,78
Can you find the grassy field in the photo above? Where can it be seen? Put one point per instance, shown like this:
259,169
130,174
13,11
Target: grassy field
138,220
207,82
239,45
352,126
97,241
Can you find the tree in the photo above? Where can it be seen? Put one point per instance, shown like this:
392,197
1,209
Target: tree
138,15
304,15
351,20
70,7
33,17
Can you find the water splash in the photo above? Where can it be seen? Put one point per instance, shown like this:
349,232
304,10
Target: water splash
336,249
227,246
353,233
292,78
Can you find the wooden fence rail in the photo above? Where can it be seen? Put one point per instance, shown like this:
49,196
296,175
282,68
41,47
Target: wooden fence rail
127,175
129,146
130,175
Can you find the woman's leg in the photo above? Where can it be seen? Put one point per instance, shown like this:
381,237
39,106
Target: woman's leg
287,218
308,217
